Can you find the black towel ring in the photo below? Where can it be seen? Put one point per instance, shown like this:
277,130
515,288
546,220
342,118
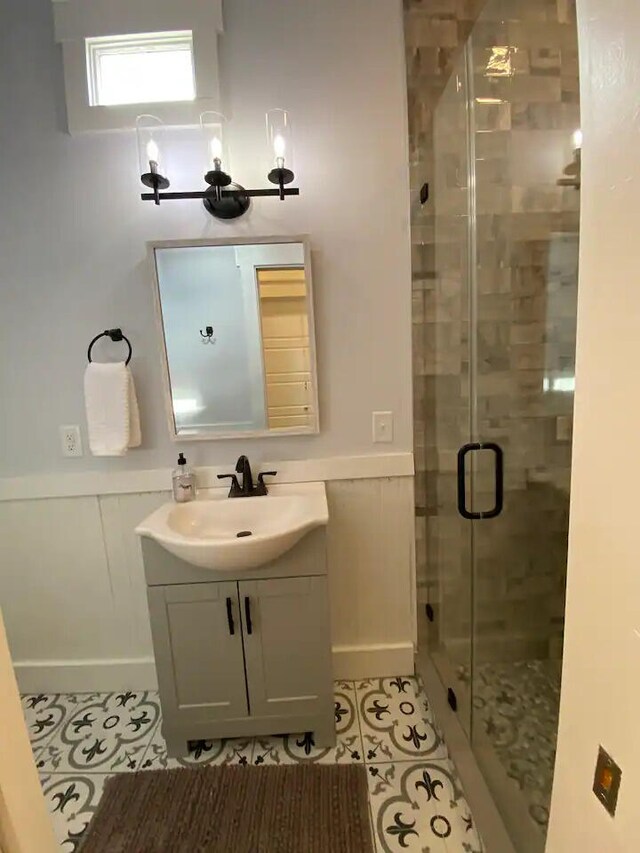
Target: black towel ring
115,335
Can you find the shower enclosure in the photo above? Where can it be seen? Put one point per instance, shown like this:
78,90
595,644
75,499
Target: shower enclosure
496,354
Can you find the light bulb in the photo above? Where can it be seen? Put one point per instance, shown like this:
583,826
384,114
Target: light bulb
577,139
153,153
151,149
215,146
279,145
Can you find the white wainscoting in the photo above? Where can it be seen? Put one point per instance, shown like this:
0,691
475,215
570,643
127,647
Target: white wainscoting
112,482
73,595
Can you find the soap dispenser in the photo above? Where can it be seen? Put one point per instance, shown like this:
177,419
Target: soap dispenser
184,482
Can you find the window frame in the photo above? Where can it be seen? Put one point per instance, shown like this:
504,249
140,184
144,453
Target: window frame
77,21
97,47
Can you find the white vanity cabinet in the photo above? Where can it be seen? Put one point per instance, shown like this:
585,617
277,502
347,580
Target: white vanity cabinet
242,654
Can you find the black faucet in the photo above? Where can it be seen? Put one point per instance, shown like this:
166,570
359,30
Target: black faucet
243,467
247,489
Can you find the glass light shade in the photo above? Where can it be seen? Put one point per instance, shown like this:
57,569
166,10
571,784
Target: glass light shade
151,132
280,139
213,127
577,139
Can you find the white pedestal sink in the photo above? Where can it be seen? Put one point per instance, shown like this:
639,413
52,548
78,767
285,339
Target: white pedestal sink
205,532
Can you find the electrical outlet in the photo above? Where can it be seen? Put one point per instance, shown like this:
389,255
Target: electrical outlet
70,440
382,427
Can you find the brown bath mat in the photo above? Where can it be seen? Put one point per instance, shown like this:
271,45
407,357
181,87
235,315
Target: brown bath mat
290,809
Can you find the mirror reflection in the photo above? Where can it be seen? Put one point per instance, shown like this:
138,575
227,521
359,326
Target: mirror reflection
237,326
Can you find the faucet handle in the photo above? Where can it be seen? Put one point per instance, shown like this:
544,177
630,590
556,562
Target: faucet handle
235,489
261,488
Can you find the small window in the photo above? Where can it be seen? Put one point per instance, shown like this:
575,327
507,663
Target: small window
140,69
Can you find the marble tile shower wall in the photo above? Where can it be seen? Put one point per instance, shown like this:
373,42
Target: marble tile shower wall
527,227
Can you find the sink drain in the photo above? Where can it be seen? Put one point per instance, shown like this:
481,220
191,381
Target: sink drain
243,533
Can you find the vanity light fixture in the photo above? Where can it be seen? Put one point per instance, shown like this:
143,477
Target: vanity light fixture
150,131
223,198
279,139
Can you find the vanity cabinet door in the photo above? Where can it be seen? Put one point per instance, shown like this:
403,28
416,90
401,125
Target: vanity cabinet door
287,645
197,637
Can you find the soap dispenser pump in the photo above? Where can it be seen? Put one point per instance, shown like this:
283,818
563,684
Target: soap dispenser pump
184,482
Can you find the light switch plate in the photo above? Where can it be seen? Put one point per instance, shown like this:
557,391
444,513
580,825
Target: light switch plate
606,782
382,427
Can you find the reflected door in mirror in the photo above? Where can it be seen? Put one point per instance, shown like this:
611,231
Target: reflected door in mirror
285,345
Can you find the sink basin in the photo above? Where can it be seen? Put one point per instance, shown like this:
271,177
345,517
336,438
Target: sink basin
205,532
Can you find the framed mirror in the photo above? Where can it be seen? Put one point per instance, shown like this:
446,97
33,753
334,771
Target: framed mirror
236,323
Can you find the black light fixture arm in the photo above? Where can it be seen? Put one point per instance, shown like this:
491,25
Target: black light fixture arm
281,176
157,182
226,201
211,194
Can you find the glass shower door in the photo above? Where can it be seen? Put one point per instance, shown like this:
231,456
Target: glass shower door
499,368
446,399
523,318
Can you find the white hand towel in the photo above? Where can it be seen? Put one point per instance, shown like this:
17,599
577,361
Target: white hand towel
113,418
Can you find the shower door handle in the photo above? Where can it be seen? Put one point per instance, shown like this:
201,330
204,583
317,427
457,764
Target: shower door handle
499,474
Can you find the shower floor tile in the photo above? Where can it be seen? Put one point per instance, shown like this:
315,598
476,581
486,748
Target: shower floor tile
415,796
518,704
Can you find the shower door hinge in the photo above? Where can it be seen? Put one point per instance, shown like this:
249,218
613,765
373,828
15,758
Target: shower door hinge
452,699
430,613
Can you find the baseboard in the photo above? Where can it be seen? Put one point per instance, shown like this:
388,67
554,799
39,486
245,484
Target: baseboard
86,676
352,663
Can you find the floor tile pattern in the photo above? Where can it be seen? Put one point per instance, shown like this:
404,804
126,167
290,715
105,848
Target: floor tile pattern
415,797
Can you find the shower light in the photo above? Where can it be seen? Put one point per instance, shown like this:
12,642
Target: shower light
500,63
573,171
223,198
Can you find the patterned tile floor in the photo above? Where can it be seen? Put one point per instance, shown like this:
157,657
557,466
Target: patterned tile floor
416,799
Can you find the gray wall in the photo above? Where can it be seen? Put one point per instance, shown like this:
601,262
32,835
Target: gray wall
73,231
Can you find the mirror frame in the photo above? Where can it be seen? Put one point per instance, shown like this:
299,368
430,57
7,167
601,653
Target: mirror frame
314,428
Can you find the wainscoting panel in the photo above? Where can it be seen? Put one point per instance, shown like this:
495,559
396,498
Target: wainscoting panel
73,595
120,515
371,575
55,589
